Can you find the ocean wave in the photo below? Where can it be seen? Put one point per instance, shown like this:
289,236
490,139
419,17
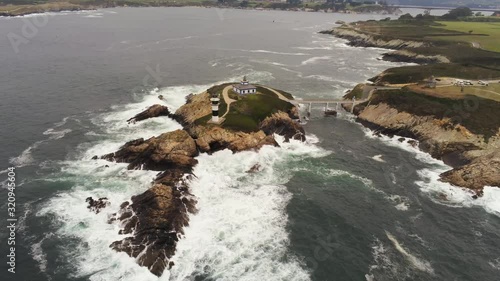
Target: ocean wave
316,59
275,53
417,263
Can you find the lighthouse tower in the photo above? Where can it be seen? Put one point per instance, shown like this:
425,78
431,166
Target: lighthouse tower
215,108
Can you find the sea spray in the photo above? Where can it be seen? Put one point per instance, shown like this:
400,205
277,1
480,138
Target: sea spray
242,219
240,232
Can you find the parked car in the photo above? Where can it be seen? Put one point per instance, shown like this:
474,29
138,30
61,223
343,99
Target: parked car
482,83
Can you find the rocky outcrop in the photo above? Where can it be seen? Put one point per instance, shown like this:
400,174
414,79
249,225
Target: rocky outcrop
170,150
358,39
482,171
280,123
152,111
475,159
95,205
197,106
156,219
408,56
440,138
214,138
404,48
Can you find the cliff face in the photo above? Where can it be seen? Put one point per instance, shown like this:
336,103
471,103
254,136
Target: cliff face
197,106
358,39
403,48
474,158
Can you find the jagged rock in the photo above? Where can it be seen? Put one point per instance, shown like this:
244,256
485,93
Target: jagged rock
358,39
153,111
407,56
169,150
280,123
482,171
95,157
155,218
197,106
475,165
214,138
96,205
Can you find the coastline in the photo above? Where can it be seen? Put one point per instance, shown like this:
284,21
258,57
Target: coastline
24,10
440,131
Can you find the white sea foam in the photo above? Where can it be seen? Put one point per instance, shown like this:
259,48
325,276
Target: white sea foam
419,264
242,219
240,230
378,158
316,59
276,53
495,263
38,254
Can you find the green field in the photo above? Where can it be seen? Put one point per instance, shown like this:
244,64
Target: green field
487,34
247,113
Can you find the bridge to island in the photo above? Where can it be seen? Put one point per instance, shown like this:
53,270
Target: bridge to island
367,94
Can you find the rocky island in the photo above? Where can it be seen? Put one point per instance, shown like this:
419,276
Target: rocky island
449,102
217,119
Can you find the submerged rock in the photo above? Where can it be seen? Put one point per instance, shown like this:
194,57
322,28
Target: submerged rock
96,205
255,168
153,111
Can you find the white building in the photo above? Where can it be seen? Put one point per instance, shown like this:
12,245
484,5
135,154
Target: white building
244,87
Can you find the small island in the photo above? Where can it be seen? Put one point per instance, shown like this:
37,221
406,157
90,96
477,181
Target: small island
216,119
449,102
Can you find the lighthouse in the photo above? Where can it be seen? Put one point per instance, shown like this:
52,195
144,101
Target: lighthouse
215,108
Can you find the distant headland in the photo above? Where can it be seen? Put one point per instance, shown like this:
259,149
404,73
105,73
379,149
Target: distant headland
25,7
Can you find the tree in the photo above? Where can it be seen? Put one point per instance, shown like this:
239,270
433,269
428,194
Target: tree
479,14
419,17
458,13
406,16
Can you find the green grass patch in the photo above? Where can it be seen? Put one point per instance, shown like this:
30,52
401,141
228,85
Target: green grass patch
486,34
246,113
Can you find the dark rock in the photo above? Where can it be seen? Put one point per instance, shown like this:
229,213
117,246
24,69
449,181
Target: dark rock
153,111
95,157
96,205
156,218
401,139
482,171
255,168
280,123
413,143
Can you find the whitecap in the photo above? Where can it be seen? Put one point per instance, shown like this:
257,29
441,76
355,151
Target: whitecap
417,263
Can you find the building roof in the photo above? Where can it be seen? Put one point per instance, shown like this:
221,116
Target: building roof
244,87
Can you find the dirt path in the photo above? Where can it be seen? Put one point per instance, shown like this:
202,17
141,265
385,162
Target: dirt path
281,96
227,99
